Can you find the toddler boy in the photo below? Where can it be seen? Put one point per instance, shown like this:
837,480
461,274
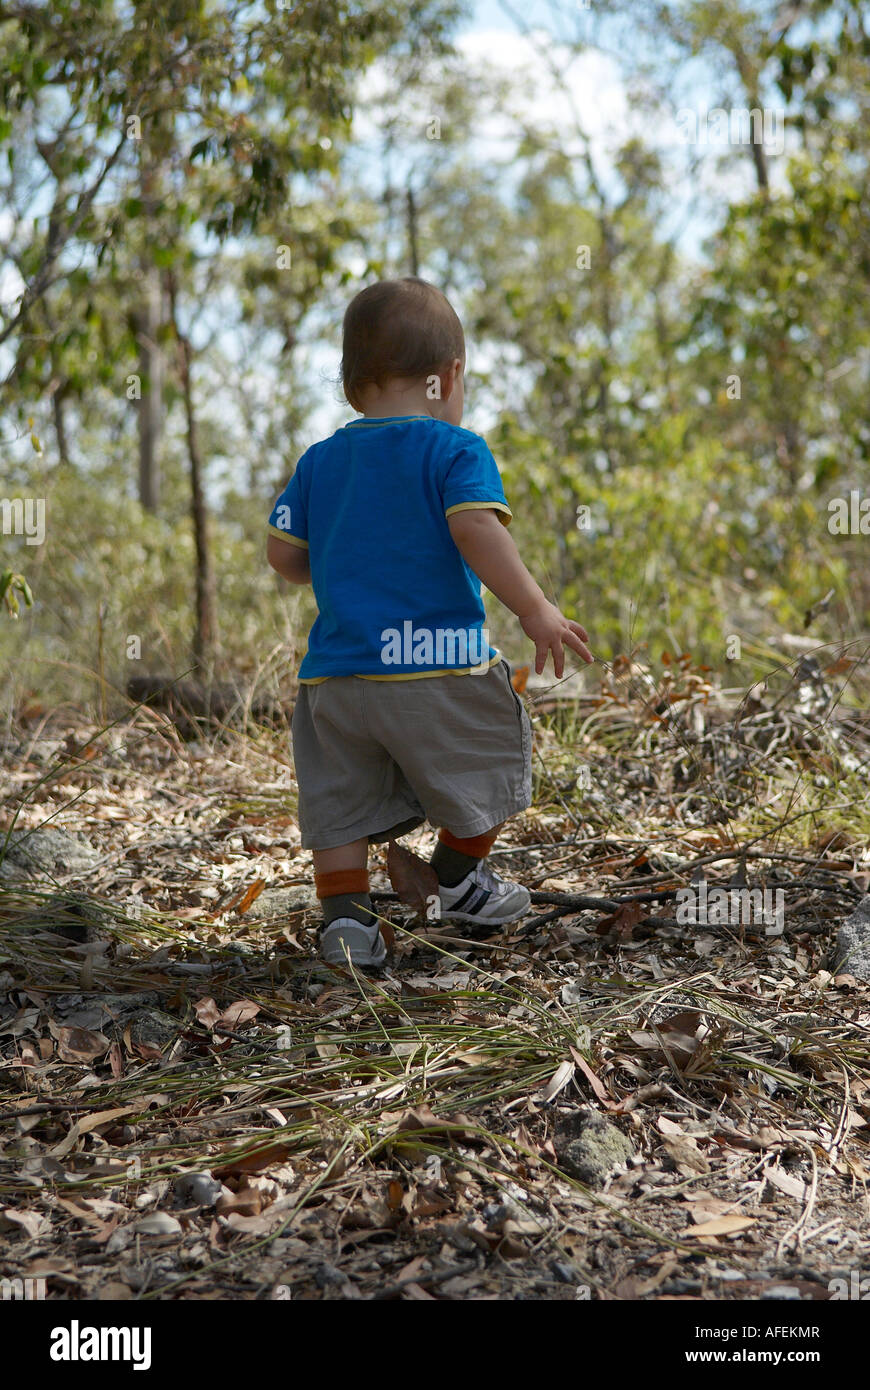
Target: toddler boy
405,712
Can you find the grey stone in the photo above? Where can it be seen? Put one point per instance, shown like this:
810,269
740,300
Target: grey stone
109,1012
197,1189
48,851
591,1148
280,902
495,1214
158,1223
153,1028
852,952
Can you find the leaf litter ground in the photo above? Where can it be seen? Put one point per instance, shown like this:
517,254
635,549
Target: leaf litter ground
597,1101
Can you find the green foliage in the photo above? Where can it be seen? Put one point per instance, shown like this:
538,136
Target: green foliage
11,585
706,409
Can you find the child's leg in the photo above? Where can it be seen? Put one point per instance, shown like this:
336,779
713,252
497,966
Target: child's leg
350,928
469,890
341,881
454,857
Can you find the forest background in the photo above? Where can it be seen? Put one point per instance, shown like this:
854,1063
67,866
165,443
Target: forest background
652,219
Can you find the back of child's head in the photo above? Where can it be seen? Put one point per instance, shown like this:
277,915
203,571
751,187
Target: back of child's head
397,328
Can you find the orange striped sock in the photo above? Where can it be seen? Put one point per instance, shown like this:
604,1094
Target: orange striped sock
454,858
341,881
345,893
476,846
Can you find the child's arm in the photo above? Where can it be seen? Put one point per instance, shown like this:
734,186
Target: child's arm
485,545
291,561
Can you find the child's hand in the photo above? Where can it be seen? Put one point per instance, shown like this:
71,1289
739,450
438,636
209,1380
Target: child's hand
550,630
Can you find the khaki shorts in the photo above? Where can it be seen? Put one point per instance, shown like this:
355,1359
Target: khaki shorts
377,758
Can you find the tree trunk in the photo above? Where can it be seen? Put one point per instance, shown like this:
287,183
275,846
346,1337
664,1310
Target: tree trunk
151,377
205,637
413,253
148,319
58,408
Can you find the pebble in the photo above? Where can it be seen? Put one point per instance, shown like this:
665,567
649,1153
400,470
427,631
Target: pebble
198,1189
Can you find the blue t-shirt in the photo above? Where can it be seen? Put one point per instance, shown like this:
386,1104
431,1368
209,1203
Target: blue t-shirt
394,595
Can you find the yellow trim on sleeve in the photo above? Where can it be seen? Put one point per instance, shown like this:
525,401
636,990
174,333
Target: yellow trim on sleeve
505,515
285,536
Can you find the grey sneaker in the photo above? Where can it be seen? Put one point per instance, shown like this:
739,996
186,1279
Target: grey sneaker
346,937
485,898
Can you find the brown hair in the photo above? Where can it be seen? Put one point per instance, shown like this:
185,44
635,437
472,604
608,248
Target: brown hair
397,328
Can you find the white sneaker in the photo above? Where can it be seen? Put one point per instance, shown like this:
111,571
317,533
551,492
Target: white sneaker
346,937
484,897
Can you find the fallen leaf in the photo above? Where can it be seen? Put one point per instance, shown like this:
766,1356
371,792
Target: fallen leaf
520,678
78,1044
80,1213
622,922
253,1162
421,1117
412,1268
413,880
88,1123
558,1081
207,1011
666,1126
721,1226
687,1022
250,895
246,1202
788,1183
686,1154
597,1085
326,1048
241,1012
33,1222
417,1293
114,1292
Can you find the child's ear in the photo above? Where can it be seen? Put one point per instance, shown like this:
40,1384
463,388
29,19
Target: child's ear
449,378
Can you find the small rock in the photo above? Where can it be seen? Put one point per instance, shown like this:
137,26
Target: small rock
119,1240
197,1189
280,902
782,1291
49,851
153,1028
495,1214
159,1223
852,952
327,1274
110,1013
591,1148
